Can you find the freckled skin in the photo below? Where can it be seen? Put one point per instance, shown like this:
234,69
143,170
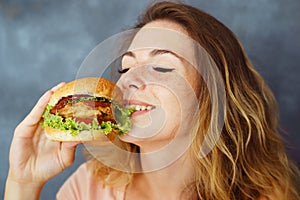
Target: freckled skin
170,90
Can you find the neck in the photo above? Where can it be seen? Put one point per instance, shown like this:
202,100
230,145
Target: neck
168,182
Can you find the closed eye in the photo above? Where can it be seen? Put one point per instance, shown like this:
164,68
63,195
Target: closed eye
163,70
122,71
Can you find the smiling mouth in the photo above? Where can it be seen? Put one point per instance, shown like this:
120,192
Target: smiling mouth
139,106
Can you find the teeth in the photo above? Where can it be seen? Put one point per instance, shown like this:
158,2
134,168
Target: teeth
137,107
141,108
144,107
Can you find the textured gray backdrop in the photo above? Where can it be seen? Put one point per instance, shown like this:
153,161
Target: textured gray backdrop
44,42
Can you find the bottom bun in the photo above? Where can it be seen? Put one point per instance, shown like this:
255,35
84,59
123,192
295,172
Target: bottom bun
82,136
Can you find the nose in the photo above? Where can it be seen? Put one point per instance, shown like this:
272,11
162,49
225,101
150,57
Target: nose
131,81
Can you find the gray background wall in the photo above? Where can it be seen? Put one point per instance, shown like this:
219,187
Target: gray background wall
44,42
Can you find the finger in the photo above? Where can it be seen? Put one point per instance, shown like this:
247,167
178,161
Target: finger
34,117
57,86
71,144
29,125
67,153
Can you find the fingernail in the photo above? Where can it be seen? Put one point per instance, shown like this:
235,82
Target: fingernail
57,86
46,95
61,83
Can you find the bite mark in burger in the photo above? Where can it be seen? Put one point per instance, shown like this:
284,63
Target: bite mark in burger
84,110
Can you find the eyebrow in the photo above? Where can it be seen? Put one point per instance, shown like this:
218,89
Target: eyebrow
129,53
154,52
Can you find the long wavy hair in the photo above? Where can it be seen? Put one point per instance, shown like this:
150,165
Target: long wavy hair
249,159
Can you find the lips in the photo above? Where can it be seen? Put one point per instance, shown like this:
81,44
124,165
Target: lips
139,106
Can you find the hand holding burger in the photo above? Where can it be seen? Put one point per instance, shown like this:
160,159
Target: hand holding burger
85,110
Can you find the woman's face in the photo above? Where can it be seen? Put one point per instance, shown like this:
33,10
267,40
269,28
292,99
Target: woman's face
160,84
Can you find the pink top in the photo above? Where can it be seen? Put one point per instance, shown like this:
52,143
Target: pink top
81,185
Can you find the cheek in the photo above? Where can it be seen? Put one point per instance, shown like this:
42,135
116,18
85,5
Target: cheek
169,101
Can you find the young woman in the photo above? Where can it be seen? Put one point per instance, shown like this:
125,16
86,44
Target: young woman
175,149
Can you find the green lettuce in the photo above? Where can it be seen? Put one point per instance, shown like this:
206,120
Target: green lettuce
58,122
90,98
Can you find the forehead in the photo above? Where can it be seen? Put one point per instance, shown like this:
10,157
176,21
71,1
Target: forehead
166,24
164,35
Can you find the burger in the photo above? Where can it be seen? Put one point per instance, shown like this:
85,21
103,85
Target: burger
86,109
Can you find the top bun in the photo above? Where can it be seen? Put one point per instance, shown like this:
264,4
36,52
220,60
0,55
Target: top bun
93,86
